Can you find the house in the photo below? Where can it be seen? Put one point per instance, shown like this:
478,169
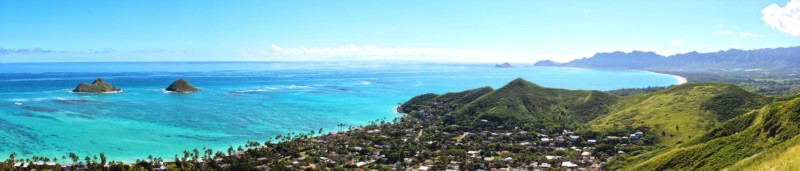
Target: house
473,153
591,142
586,153
637,135
545,165
544,131
552,157
574,138
568,164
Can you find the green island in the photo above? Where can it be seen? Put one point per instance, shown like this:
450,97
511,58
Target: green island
98,86
181,86
521,126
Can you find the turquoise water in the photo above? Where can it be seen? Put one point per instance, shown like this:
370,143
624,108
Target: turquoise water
238,101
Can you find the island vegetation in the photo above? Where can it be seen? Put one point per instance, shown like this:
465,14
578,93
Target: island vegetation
98,86
181,86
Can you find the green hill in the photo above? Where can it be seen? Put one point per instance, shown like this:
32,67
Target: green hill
681,112
775,126
522,101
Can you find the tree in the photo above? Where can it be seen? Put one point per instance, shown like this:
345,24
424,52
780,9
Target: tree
102,160
74,157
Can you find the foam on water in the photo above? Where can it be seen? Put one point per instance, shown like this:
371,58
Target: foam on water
238,101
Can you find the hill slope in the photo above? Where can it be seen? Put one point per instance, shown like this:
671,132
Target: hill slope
735,140
548,108
681,112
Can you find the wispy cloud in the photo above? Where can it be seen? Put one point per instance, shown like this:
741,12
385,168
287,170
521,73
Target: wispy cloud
371,51
722,33
785,19
7,51
750,35
741,34
676,42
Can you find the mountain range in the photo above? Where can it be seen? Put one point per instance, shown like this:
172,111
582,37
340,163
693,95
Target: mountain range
770,59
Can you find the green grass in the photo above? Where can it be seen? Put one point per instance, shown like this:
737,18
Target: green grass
774,124
548,108
780,157
681,112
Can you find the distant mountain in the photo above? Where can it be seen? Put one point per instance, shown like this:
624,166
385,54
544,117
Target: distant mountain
774,58
546,63
504,65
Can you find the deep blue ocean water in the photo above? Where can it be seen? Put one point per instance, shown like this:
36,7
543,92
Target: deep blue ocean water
238,101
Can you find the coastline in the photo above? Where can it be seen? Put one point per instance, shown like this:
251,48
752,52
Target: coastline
681,80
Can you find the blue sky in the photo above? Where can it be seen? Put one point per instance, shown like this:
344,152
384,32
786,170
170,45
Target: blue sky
463,31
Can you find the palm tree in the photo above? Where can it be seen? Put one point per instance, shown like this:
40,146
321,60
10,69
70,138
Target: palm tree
74,158
102,160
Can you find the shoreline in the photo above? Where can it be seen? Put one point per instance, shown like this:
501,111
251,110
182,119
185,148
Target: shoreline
681,80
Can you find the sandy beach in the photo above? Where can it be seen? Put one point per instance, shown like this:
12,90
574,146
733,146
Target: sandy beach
681,80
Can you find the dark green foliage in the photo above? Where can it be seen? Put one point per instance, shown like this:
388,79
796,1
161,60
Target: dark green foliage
98,86
634,91
181,86
733,103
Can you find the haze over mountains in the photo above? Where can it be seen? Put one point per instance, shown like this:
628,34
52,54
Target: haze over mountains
771,58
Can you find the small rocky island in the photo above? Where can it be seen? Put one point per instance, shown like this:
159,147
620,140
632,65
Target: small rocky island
503,65
98,86
181,86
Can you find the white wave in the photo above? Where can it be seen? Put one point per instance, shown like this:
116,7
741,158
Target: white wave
418,84
18,103
252,91
366,82
19,100
110,92
296,87
56,91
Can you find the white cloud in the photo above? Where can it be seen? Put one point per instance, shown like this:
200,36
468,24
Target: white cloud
375,52
723,33
785,19
750,35
676,42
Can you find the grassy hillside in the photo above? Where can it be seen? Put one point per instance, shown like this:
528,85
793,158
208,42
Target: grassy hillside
771,127
681,112
522,101
780,157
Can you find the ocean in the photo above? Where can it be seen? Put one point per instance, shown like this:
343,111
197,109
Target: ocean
238,101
